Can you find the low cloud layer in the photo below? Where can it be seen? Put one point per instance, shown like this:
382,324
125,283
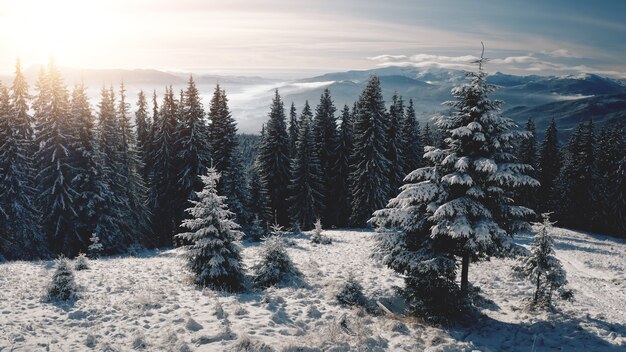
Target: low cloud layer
533,63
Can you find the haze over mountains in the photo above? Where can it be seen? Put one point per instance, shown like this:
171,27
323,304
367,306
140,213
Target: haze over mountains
568,99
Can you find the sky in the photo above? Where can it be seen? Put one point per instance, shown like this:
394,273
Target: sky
295,38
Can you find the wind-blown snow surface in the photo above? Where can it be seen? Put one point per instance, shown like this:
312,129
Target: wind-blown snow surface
147,303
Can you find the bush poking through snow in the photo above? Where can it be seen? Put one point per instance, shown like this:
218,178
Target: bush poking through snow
543,268
350,293
317,236
82,262
62,287
274,264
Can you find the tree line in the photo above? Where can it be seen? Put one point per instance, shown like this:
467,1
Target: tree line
69,173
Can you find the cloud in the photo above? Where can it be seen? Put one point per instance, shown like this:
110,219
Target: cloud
522,64
426,61
561,53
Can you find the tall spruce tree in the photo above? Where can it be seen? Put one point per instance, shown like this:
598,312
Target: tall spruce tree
341,169
394,144
112,229
54,157
273,161
459,207
224,154
192,146
144,126
527,154
325,138
427,136
259,202
618,204
575,189
20,234
610,151
306,185
410,137
164,172
369,169
138,214
549,167
294,128
213,254
86,181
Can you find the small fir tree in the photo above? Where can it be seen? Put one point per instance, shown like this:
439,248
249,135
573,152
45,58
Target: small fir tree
317,237
213,254
350,293
62,286
82,262
95,247
274,264
542,267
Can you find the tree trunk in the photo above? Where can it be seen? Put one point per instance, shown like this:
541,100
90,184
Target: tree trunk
464,275
537,289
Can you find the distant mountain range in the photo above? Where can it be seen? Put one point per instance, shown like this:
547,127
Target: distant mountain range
568,99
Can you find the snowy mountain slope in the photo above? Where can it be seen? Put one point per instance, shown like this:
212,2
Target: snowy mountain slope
147,303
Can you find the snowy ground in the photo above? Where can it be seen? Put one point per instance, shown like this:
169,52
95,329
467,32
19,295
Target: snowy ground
147,303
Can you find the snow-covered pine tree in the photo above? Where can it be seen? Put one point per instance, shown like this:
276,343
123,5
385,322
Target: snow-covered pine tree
549,167
144,126
138,214
341,170
273,160
527,154
62,287
542,266
293,130
274,264
164,173
460,206
306,185
82,262
213,254
20,234
412,148
325,137
95,247
369,169
225,156
54,157
394,144
20,98
112,227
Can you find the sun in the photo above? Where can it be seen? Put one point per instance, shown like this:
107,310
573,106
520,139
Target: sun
65,29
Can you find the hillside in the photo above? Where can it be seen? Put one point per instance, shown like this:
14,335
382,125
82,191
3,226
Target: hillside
145,302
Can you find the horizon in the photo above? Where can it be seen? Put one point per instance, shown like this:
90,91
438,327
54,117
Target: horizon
275,39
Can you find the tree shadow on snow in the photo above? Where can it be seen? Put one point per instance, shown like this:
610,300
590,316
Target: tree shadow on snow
558,333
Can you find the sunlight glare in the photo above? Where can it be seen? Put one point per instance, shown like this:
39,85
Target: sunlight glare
65,29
